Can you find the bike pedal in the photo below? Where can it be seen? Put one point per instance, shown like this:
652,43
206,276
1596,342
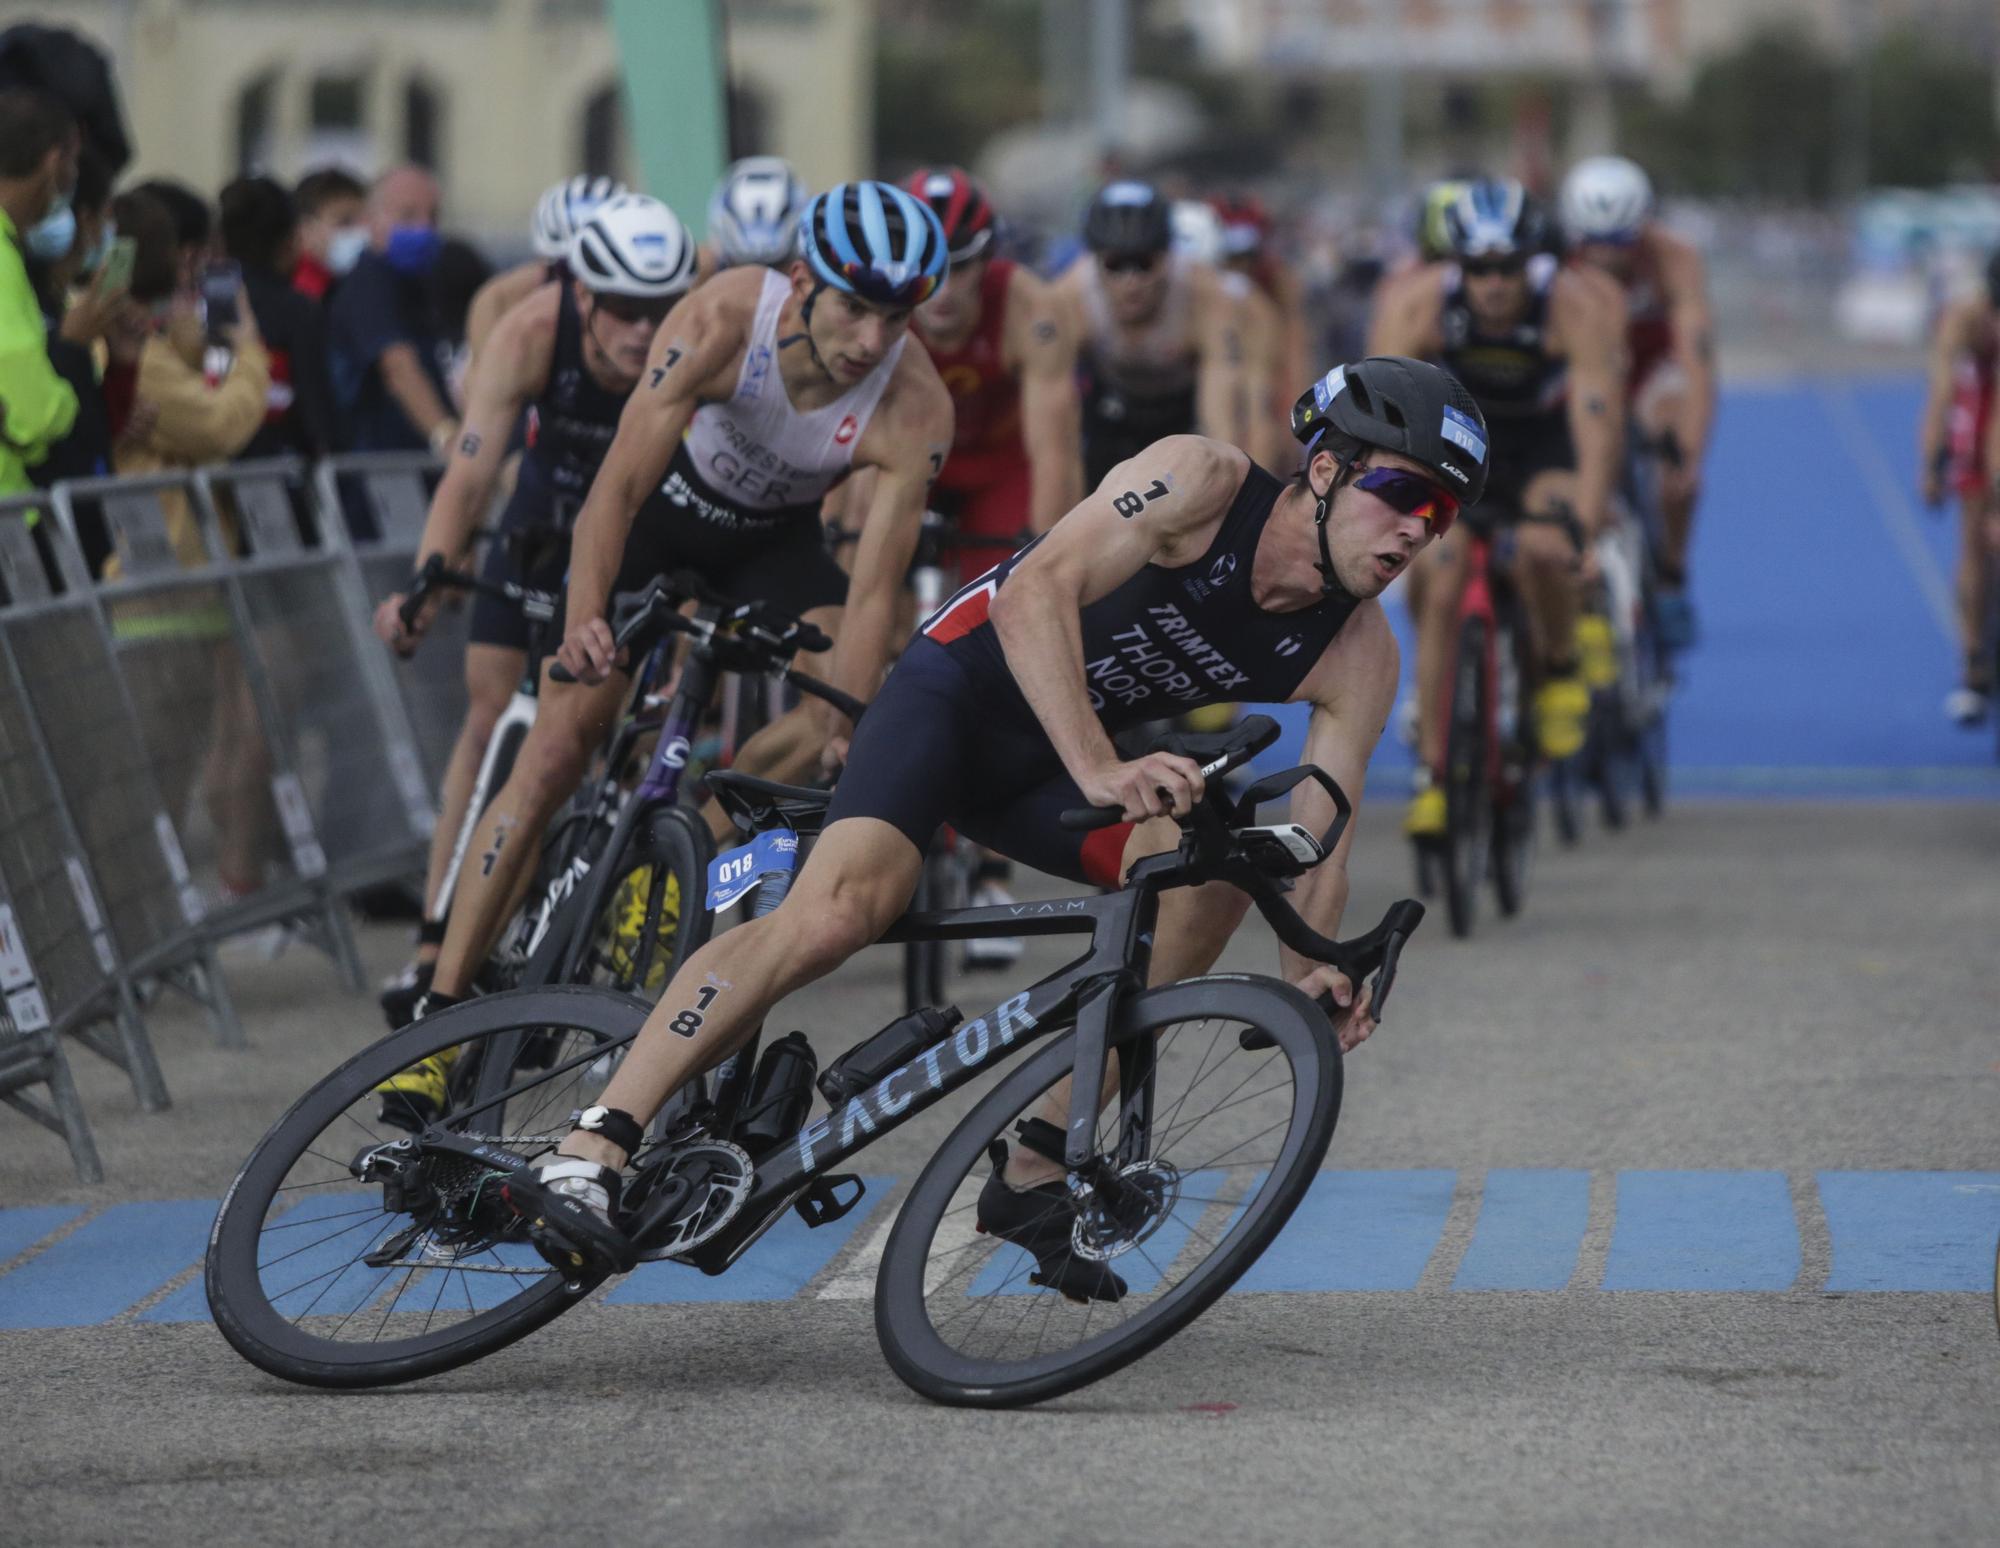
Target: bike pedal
821,1204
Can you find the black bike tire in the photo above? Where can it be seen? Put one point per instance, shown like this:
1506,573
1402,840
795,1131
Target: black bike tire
931,1368
1514,834
235,1295
1467,801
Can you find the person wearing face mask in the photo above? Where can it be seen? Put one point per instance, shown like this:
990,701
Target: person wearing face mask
387,352
39,147
333,230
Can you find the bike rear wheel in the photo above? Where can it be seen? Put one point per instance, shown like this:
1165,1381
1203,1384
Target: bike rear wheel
288,1273
1232,1139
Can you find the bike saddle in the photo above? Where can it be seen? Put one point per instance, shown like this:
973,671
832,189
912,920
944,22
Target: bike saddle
754,803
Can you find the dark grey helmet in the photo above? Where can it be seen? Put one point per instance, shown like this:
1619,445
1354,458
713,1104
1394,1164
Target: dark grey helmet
1409,407
1129,219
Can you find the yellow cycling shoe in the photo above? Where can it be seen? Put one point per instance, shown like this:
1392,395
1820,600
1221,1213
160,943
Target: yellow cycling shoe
628,928
418,1095
1426,817
1596,651
1562,704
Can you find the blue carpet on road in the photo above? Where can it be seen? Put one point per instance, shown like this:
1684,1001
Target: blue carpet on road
1819,577
1355,1231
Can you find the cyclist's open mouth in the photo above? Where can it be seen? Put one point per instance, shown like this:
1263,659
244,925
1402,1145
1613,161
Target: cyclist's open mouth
1391,565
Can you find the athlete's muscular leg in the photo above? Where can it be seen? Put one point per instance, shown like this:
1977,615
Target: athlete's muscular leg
857,881
1546,570
569,728
1195,923
1443,567
491,671
1662,408
1975,570
788,749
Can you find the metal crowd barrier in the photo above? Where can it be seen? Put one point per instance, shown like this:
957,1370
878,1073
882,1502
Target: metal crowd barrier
382,498
199,737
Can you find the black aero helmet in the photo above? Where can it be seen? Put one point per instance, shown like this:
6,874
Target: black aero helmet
1404,406
1128,218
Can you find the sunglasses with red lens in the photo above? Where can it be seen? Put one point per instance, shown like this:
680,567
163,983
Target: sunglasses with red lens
1412,495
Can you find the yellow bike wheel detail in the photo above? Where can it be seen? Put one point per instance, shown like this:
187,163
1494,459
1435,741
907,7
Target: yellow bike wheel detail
628,928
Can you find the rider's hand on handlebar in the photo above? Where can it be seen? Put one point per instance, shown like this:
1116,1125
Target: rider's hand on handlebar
1350,1014
589,651
1157,785
393,632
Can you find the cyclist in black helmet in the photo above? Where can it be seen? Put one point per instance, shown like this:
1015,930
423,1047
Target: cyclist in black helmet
1166,342
1542,349
1190,577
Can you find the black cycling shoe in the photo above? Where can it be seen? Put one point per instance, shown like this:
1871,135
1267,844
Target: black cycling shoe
1040,1220
399,998
568,1204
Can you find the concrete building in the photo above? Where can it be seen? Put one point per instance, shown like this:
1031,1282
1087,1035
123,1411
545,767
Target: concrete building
500,97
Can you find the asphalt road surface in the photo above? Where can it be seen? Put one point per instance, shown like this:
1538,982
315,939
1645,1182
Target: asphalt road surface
1745,1003
1665,1213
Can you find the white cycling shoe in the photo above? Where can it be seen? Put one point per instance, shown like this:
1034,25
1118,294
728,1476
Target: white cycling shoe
1965,706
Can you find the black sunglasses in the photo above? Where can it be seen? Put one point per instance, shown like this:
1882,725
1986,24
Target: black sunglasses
633,309
1485,266
1131,263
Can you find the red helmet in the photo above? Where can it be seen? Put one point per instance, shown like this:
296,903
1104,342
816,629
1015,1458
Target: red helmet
962,209
1246,224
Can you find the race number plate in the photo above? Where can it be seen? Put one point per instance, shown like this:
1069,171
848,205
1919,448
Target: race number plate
734,872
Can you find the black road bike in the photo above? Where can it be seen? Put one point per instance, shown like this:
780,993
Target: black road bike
350,1255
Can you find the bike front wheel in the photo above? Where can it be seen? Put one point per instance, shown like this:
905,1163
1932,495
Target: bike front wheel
1220,1141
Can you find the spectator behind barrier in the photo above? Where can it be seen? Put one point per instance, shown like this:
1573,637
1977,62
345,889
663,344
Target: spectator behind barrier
388,355
198,421
194,223
333,229
94,327
260,231
39,147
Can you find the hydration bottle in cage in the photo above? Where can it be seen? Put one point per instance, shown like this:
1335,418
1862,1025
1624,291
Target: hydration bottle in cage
780,1095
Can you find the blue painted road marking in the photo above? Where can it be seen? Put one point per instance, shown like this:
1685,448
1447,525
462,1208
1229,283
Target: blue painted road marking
777,1268
1703,1231
1530,1230
1694,1231
106,1265
1911,1230
1358,1231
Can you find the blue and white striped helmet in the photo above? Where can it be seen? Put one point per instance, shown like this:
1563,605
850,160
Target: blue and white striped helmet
754,214
1494,218
874,241
563,211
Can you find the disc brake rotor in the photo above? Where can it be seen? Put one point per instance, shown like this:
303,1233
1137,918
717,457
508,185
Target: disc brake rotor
1099,1237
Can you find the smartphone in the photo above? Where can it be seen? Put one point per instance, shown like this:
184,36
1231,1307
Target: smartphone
115,273
220,284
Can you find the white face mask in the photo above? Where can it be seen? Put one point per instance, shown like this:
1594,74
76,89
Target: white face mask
345,248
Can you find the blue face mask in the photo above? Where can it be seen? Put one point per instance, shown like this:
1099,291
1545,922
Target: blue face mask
99,251
51,237
412,249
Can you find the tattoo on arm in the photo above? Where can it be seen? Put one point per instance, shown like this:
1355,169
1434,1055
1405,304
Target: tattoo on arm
1596,405
659,375
1232,346
469,444
1045,332
1132,501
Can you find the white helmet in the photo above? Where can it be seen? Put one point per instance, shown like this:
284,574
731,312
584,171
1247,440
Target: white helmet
634,246
562,210
1197,230
754,214
1606,199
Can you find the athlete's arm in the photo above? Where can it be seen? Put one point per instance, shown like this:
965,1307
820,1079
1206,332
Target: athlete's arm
1686,274
1947,344
495,299
1351,690
1270,433
1158,505
1589,314
1039,341
516,371
701,336
904,446
1228,367
1409,314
